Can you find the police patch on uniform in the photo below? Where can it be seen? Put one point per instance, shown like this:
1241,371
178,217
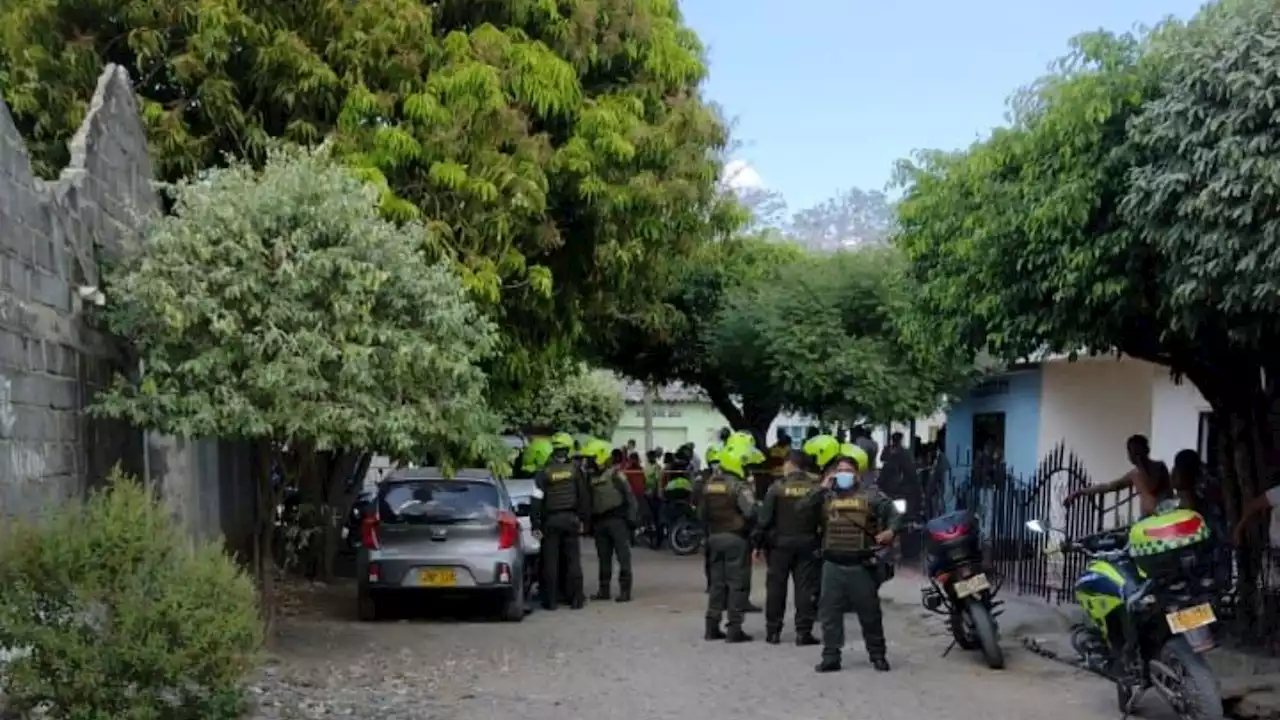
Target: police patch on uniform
559,476
848,504
796,491
718,488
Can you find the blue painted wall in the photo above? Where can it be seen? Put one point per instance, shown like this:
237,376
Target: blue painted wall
1017,395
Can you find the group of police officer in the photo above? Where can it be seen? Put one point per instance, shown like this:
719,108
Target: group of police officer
578,490
818,525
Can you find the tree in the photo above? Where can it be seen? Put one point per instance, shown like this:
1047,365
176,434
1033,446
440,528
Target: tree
1204,198
852,218
576,400
823,336
1126,209
559,153
278,308
679,348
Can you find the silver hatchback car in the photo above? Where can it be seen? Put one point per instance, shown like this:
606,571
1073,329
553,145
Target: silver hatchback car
447,535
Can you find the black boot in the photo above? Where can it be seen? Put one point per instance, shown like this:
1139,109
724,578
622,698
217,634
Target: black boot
602,593
736,635
578,602
828,665
624,595
713,631
880,664
805,639
773,637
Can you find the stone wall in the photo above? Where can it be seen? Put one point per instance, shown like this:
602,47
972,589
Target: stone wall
53,352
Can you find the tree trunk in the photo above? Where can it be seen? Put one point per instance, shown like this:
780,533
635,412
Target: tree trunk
264,545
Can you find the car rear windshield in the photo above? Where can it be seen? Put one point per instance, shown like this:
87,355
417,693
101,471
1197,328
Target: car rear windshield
438,501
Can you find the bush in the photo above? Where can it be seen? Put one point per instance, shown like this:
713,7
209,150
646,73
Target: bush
110,611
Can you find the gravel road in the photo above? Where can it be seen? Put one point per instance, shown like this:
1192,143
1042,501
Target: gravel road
645,661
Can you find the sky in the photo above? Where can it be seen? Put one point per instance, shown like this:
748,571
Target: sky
826,94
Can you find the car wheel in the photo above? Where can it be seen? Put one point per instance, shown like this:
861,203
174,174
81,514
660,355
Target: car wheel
513,604
367,605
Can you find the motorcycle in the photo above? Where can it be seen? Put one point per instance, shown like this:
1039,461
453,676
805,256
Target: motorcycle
1148,593
686,534
960,588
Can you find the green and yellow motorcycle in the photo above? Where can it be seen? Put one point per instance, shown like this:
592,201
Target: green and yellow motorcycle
1148,593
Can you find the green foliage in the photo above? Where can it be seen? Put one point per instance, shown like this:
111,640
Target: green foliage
1205,193
117,615
277,305
1016,243
576,400
679,349
822,334
559,152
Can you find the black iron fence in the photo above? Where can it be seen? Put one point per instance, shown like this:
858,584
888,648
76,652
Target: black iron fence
1004,502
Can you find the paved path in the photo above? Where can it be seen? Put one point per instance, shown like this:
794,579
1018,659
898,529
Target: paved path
647,661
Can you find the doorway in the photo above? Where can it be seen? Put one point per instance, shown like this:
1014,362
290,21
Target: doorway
988,428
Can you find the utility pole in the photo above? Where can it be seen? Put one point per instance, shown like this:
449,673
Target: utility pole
647,405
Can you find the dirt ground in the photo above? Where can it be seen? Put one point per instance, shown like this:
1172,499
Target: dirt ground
643,660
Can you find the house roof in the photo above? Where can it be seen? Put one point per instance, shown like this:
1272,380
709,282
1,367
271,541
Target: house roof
676,392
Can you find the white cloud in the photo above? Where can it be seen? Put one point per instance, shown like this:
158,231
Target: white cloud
739,175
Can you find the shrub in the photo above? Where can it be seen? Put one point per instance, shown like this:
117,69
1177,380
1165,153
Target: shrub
111,611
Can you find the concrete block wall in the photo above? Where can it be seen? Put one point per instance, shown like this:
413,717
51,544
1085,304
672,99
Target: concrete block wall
52,357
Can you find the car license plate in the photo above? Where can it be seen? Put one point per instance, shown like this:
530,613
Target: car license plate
437,577
1191,618
971,586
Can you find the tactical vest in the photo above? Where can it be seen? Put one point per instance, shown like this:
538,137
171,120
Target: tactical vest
561,494
851,524
605,496
789,521
721,498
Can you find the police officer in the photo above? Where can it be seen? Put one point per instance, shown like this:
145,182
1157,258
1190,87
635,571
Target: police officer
560,507
788,539
614,513
713,467
856,520
726,508
744,443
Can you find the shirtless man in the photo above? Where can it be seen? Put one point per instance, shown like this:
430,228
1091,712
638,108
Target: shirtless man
1148,478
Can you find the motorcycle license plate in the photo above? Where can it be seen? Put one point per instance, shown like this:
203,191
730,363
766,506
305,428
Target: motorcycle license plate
1190,619
972,586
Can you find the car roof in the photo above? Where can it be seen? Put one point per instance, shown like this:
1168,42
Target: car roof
435,473
520,486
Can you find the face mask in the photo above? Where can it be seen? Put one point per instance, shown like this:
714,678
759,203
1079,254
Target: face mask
844,480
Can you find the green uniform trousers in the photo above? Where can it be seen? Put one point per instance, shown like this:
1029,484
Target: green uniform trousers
613,537
561,555
845,588
793,559
726,573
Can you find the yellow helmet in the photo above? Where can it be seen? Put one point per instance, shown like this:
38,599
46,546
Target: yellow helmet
713,454
536,454
856,455
597,450
562,441
740,440
823,449
732,462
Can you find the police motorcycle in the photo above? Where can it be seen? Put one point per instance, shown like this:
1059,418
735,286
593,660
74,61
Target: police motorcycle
1147,592
686,534
960,587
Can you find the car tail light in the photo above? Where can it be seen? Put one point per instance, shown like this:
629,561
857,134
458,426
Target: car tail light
504,574
508,530
369,531
375,572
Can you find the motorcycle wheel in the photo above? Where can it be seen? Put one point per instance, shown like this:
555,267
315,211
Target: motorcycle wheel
685,538
1197,690
984,629
961,632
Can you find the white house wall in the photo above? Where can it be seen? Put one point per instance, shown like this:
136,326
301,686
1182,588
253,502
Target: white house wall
1175,415
1094,405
